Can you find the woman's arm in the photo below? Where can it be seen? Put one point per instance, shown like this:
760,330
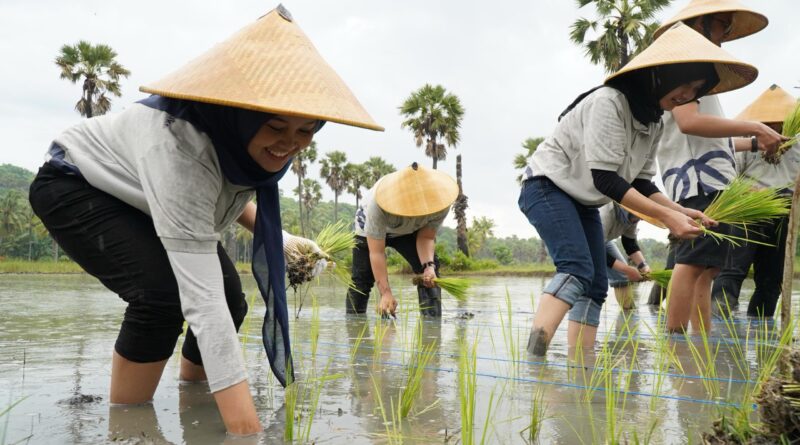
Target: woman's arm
691,121
673,215
377,260
248,217
426,245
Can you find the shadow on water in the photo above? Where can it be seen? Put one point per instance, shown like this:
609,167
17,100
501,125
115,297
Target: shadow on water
57,334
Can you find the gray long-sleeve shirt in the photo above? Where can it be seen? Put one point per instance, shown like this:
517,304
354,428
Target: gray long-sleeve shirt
169,170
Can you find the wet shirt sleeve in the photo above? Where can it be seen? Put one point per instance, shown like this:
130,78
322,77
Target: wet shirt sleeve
181,193
604,135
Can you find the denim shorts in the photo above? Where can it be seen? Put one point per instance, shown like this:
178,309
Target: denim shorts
574,238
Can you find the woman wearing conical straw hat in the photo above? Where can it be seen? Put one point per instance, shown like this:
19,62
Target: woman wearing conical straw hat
771,108
695,158
603,149
403,210
138,199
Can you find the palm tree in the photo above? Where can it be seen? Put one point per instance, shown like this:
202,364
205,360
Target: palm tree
434,115
482,229
332,171
101,73
376,168
624,27
356,176
310,197
460,212
521,159
300,165
12,213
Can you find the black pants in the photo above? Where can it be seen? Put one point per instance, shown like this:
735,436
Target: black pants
117,244
767,265
363,279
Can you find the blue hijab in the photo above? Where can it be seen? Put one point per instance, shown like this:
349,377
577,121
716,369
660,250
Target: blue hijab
230,130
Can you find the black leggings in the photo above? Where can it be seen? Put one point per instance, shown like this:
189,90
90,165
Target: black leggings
117,244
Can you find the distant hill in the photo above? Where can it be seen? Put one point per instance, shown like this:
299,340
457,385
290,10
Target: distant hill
13,177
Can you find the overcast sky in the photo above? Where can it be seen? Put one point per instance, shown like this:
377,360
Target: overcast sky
511,63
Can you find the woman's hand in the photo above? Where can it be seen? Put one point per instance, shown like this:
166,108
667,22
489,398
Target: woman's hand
681,225
428,275
633,274
388,304
768,139
698,215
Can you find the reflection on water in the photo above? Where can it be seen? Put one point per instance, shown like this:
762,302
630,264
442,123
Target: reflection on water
57,333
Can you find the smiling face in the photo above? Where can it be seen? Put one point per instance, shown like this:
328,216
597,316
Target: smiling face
681,95
280,138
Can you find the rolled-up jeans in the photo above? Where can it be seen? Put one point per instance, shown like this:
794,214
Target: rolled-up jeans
574,238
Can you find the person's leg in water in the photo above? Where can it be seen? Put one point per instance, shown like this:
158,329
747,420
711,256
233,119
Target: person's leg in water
701,312
584,316
556,217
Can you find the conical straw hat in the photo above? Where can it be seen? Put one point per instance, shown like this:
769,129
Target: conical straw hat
771,107
682,44
269,66
415,191
644,217
745,20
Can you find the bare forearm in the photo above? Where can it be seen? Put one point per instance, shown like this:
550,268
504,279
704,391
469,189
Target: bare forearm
426,246
248,217
653,206
709,126
377,261
237,409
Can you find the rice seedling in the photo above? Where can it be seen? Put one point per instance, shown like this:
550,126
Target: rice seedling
314,328
357,343
537,414
332,240
379,335
248,321
659,277
467,387
301,400
705,359
6,412
791,130
741,204
415,371
391,420
512,343
457,287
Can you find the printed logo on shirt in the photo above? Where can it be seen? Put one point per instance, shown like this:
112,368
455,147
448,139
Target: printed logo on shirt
361,217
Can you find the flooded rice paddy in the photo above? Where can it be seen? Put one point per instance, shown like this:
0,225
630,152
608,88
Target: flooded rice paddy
57,334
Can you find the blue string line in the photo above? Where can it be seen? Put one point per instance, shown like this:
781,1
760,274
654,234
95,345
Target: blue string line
549,364
546,382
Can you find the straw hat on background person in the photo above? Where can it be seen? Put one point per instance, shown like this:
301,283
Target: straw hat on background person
416,191
745,21
270,66
682,44
771,107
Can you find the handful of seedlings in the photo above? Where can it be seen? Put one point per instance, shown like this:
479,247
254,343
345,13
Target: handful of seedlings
660,277
457,287
791,129
332,240
742,204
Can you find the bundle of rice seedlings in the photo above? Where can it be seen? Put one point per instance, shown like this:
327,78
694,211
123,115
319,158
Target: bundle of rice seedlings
791,129
741,204
333,240
660,277
457,287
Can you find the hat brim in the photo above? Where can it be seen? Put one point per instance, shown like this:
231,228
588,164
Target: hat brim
745,20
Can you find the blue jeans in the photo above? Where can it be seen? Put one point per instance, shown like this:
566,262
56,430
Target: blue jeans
574,238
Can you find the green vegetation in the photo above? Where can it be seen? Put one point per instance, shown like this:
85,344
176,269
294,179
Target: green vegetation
434,116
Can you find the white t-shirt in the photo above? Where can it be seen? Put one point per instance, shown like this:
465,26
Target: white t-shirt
599,133
691,163
373,222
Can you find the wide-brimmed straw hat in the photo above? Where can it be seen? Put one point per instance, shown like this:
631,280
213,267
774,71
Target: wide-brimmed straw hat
682,44
415,191
268,66
745,20
771,107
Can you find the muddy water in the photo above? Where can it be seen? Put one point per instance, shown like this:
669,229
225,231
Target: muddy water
57,334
